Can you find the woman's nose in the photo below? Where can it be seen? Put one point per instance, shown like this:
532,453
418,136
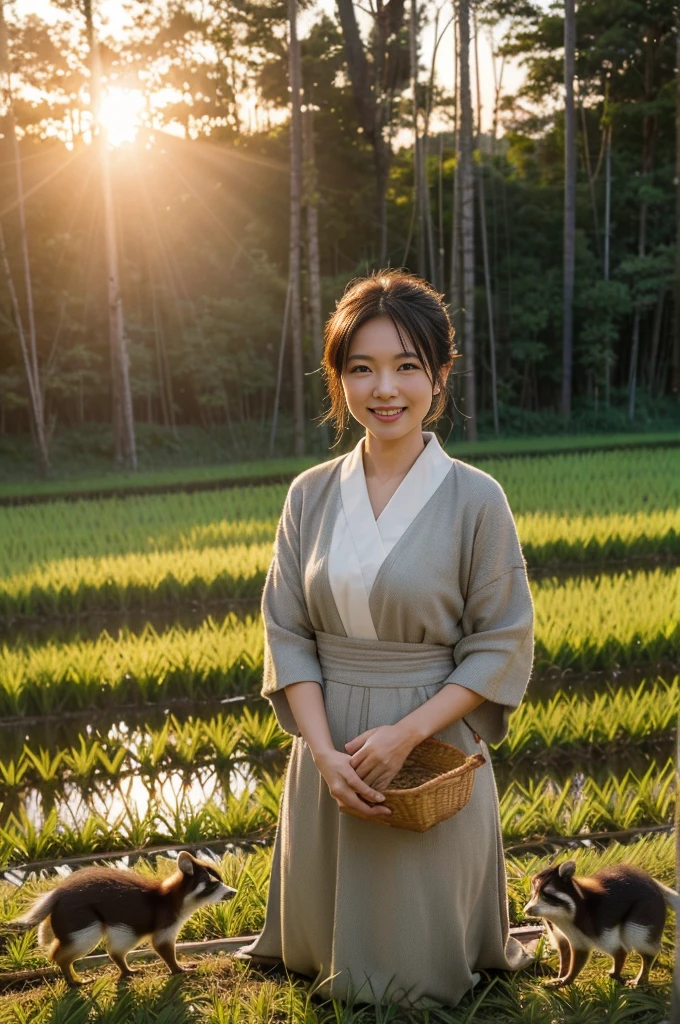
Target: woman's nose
385,385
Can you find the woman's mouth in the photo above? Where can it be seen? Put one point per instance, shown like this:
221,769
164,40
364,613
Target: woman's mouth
388,414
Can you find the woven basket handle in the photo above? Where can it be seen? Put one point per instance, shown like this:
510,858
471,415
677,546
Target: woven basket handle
475,760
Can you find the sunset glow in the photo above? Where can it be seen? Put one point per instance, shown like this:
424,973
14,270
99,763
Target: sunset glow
120,114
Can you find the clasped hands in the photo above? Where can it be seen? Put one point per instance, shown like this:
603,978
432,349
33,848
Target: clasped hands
372,759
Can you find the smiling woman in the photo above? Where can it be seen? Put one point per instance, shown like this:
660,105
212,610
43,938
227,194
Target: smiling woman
120,114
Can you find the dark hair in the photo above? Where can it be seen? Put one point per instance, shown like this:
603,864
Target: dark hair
412,305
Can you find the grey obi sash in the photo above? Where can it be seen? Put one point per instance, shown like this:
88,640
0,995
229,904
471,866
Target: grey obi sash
388,663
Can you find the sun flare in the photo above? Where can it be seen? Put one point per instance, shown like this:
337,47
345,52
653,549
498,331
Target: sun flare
120,114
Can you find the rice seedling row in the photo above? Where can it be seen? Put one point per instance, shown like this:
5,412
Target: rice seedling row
540,807
221,743
168,582
622,484
156,553
631,619
171,581
553,730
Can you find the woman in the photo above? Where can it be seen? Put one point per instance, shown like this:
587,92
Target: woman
396,607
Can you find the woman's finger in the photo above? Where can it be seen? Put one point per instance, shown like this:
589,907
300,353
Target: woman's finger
372,776
353,745
358,786
359,756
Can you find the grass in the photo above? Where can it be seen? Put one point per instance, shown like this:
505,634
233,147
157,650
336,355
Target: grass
223,990
20,483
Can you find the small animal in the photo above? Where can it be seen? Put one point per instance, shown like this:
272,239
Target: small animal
122,908
615,910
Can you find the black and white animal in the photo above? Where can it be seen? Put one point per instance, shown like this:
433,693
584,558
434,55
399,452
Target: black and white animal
122,908
615,910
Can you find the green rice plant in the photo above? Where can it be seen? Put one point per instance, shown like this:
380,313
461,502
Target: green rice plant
550,538
538,808
552,727
639,715
629,619
74,586
591,483
621,620
216,660
252,815
220,742
159,552
38,535
582,805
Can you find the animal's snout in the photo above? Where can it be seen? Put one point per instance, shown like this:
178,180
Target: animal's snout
530,909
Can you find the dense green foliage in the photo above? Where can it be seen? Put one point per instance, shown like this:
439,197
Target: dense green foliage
204,217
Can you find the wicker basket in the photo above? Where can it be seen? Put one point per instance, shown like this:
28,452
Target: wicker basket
447,776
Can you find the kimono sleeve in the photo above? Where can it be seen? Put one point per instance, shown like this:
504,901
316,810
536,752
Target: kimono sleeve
290,654
495,656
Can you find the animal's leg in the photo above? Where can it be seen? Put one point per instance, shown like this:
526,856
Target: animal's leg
619,958
63,957
579,958
643,975
164,944
119,941
79,944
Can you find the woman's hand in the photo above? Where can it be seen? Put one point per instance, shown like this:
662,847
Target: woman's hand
349,791
378,754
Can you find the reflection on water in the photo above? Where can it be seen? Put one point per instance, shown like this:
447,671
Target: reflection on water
563,766
167,796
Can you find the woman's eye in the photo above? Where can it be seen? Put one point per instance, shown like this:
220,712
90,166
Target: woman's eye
410,366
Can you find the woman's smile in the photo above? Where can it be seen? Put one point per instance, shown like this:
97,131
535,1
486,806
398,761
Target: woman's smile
392,413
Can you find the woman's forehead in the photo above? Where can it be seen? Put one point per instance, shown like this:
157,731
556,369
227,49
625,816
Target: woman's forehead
379,338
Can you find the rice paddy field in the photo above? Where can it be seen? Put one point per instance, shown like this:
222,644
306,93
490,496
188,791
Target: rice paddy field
131,727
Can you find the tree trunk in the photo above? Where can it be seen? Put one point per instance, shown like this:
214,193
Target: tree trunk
294,70
424,149
28,344
653,368
485,252
279,371
417,193
569,203
467,221
372,111
648,131
125,448
454,269
311,200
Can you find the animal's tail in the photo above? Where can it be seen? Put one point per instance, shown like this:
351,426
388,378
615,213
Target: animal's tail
671,897
38,911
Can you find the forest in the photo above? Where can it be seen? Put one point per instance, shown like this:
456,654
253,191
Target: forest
186,189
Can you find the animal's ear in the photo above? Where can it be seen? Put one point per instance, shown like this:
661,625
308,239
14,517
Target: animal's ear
567,869
185,862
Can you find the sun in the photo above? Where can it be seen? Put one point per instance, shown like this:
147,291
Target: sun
120,113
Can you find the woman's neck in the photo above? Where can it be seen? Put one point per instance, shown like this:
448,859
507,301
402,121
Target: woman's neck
385,460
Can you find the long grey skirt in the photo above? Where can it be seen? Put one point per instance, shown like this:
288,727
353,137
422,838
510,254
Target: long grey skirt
379,914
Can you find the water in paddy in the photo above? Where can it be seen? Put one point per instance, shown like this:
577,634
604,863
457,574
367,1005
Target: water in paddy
173,792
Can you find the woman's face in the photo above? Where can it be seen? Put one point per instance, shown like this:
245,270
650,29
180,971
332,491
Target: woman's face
386,388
